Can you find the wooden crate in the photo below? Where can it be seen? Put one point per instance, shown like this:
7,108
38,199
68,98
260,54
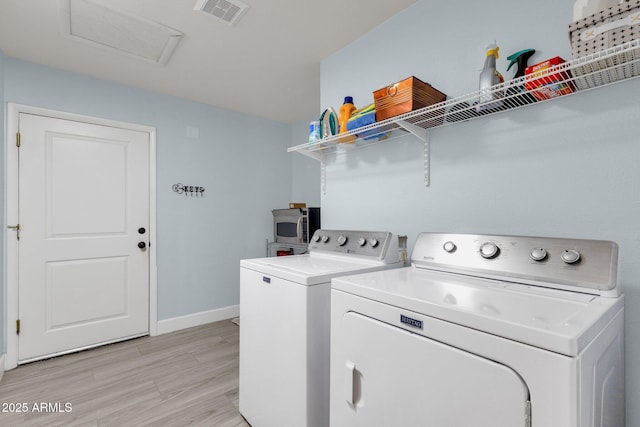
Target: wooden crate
404,96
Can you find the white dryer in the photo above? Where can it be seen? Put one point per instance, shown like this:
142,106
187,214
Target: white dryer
482,331
284,324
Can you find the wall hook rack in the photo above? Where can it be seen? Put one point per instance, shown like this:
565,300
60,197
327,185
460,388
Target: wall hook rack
188,190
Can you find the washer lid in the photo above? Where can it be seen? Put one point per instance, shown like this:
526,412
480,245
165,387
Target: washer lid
556,320
312,269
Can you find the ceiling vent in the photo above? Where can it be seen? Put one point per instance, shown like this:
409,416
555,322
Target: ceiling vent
225,10
93,23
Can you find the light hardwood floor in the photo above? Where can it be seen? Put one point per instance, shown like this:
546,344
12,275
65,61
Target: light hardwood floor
188,377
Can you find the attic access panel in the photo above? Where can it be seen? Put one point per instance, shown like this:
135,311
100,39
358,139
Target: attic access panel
91,22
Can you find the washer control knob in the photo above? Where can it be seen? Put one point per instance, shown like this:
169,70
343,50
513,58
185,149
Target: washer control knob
570,256
373,242
325,239
538,254
316,238
489,250
449,246
342,240
362,241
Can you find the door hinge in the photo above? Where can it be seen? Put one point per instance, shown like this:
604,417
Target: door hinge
18,139
16,228
18,327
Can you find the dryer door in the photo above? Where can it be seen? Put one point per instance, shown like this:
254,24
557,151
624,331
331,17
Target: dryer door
393,377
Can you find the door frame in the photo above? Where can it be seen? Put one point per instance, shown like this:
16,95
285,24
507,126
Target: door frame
11,216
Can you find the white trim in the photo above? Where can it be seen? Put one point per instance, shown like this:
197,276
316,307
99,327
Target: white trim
1,366
153,236
11,215
197,319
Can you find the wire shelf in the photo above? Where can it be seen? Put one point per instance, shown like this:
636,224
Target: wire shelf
596,70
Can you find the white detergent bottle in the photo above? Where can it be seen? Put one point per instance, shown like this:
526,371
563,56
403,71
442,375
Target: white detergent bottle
584,8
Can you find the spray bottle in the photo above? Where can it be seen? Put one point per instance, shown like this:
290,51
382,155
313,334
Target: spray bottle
516,92
490,76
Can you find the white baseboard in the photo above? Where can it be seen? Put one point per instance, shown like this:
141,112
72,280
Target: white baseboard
197,319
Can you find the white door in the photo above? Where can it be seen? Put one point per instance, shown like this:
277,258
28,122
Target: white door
83,209
386,376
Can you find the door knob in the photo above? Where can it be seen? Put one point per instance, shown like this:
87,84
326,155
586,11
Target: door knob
142,245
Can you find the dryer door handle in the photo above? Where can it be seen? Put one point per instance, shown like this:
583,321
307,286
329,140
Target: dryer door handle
349,375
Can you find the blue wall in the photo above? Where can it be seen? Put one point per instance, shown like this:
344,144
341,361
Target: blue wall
241,160
305,171
567,168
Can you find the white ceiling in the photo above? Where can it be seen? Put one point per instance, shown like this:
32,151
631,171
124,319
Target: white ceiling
267,64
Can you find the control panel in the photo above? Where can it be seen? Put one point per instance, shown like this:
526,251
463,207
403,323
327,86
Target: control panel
380,245
588,264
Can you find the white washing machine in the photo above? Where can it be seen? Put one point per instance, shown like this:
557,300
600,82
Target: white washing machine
482,331
284,324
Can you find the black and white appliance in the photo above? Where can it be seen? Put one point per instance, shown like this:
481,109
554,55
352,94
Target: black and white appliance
482,331
284,324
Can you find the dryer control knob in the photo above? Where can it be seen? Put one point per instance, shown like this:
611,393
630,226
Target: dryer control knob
373,242
489,250
362,241
449,246
570,256
342,240
538,254
325,239
316,238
